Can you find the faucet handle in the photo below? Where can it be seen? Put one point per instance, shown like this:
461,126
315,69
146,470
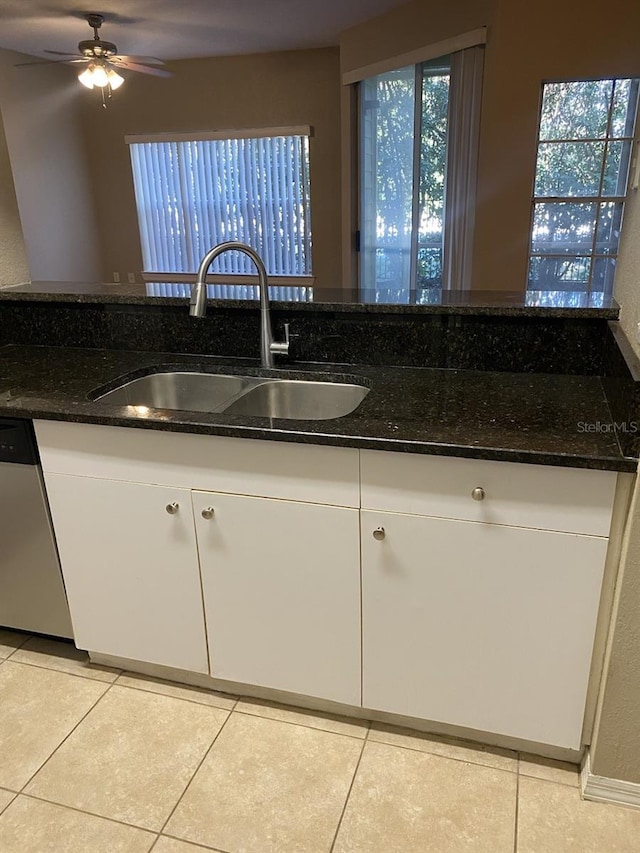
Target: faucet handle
282,347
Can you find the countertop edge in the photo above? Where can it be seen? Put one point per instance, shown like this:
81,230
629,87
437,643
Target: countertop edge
7,294
622,464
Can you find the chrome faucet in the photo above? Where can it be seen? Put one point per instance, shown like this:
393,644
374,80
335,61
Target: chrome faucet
198,304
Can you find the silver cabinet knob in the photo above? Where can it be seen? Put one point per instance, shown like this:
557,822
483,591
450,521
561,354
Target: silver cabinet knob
379,533
478,493
208,513
173,508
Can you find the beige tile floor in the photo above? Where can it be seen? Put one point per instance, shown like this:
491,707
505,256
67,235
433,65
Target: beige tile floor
93,760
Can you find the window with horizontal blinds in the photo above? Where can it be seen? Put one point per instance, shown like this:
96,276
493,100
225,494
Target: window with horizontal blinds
193,194
242,292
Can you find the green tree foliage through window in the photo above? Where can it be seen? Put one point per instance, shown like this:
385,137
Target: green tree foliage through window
584,150
404,146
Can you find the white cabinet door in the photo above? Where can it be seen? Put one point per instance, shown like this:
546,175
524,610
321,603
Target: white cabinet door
281,586
130,569
480,625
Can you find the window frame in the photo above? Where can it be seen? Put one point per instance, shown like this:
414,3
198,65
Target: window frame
466,75
229,135
598,200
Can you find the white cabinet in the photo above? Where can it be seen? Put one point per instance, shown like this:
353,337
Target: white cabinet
278,564
281,585
130,569
474,613
480,625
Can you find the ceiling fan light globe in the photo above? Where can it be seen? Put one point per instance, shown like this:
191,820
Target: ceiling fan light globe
99,76
86,78
115,80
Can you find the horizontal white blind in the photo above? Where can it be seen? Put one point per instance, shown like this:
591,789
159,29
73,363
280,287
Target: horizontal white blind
278,293
203,135
192,195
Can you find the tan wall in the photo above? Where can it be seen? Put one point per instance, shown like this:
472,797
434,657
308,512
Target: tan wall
616,749
40,114
627,281
410,27
13,256
262,90
552,39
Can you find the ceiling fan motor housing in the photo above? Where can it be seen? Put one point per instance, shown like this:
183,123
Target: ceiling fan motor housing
97,47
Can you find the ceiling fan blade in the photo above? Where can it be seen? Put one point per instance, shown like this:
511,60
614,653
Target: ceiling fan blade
50,62
61,53
144,60
143,69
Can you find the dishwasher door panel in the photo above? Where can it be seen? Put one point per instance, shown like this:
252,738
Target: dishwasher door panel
32,596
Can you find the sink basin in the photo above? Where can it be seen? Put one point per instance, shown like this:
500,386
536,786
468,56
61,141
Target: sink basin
189,392
255,396
299,400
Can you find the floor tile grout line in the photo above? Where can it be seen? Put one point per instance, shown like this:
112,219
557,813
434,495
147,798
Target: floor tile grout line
87,812
6,806
571,784
572,787
447,757
155,841
193,843
300,725
346,801
118,683
62,671
10,655
66,737
195,772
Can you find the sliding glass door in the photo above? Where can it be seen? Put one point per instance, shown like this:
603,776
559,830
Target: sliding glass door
413,193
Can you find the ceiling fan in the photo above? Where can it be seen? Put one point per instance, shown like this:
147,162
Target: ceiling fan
103,61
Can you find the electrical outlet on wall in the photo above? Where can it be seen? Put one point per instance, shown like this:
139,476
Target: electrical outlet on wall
116,277
131,278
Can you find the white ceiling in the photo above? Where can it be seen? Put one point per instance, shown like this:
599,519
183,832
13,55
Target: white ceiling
180,29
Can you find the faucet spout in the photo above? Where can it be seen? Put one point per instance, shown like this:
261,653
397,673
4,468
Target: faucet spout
198,302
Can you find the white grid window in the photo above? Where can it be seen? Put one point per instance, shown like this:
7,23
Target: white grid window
584,150
192,194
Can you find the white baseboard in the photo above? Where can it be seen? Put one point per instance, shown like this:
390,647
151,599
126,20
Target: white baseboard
601,789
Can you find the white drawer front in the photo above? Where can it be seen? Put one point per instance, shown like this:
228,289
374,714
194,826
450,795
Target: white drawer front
276,469
572,500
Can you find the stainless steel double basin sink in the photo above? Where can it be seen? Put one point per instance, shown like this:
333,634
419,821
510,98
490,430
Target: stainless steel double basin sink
252,396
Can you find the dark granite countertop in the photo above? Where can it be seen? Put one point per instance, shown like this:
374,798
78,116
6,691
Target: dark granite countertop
503,303
518,417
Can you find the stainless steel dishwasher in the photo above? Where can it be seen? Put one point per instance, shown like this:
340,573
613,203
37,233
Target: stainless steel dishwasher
32,595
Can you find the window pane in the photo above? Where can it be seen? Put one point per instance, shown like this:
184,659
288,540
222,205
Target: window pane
387,126
603,273
625,98
563,227
433,162
569,168
564,299
577,110
573,169
616,169
192,195
608,231
430,265
570,273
